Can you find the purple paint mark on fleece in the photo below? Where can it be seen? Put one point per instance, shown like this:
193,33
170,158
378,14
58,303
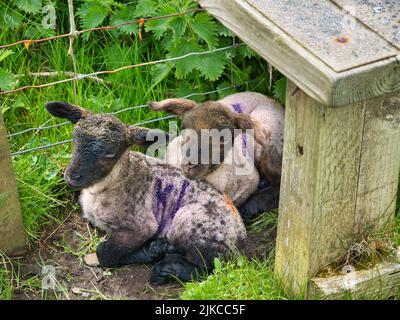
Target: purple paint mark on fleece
244,144
237,107
163,200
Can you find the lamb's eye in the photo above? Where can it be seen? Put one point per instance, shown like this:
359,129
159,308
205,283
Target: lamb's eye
110,155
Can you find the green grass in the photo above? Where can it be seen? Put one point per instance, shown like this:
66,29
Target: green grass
5,280
39,174
239,278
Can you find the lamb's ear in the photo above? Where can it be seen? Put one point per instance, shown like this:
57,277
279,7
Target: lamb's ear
244,122
177,106
137,135
67,111
145,137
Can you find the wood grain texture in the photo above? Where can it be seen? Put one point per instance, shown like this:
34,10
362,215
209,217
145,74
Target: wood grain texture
12,236
380,282
319,186
379,165
367,82
296,61
318,24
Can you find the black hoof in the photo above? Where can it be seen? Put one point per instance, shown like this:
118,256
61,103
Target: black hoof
173,267
150,252
110,255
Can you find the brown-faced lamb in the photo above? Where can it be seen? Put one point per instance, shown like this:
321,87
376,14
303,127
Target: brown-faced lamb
235,176
237,111
153,213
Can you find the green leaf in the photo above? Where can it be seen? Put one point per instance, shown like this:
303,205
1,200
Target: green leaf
247,52
125,14
159,73
178,25
157,27
10,19
184,66
4,54
211,66
224,31
29,6
7,81
185,88
36,32
51,173
228,90
205,28
92,13
280,90
118,56
217,265
145,8
161,26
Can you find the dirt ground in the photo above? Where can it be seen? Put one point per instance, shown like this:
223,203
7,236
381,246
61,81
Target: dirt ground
63,248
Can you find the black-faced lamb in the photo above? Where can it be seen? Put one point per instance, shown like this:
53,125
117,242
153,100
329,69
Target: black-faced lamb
237,111
153,213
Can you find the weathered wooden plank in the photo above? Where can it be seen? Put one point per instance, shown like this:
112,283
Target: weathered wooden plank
296,62
320,26
339,179
382,16
380,282
12,236
379,165
319,186
366,82
289,57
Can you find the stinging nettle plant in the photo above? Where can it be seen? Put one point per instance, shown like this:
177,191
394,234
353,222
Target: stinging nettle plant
194,31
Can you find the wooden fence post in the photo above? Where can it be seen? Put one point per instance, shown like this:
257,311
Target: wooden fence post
340,177
12,236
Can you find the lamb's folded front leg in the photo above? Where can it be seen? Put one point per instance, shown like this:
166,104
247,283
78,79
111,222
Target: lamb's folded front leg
112,254
151,252
175,266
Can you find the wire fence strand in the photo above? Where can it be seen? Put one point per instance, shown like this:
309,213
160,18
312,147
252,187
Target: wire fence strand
76,76
194,94
105,28
142,64
116,112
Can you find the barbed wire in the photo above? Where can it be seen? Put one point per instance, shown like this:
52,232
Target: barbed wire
106,28
142,64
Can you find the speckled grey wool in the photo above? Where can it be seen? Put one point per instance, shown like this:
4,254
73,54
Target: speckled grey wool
126,202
